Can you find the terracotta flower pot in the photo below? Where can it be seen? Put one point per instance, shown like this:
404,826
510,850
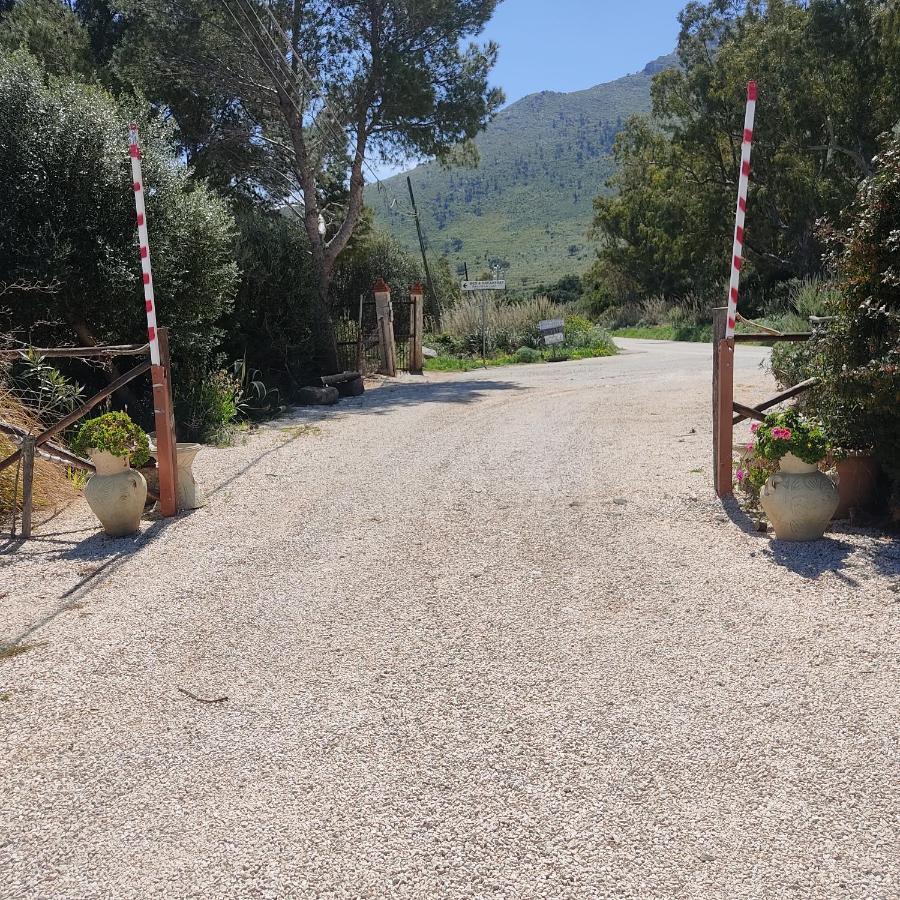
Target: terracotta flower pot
115,494
857,480
799,500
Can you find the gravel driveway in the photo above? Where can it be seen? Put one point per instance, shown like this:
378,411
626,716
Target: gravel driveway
487,635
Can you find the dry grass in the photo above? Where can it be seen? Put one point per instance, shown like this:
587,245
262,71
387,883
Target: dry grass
52,489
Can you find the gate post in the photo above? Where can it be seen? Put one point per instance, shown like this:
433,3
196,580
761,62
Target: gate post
28,446
385,313
166,459
722,404
416,328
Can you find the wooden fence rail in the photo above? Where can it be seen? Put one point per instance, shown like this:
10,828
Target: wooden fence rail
724,406
165,423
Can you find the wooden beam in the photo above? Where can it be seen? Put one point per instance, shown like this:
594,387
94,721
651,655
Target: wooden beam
723,397
762,338
748,412
27,484
166,450
78,352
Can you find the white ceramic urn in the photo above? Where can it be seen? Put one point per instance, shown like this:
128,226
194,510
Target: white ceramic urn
189,494
116,494
799,500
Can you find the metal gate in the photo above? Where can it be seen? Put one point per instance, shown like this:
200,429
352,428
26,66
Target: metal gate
356,332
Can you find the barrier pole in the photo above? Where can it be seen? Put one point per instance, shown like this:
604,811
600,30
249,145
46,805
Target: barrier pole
159,368
737,254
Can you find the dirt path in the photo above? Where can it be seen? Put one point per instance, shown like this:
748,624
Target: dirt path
488,636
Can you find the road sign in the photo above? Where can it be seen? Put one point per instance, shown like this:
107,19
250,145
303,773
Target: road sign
553,331
484,285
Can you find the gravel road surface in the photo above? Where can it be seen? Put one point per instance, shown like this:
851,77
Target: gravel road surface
487,635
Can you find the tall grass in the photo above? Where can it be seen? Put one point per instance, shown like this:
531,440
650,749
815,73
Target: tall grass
508,325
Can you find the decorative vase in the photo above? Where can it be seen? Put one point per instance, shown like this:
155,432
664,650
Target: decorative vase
857,479
188,494
799,500
115,494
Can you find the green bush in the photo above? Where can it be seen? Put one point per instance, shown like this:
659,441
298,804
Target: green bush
210,406
527,355
114,433
69,235
791,432
859,351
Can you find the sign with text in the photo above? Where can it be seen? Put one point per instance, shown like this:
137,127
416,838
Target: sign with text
484,285
553,331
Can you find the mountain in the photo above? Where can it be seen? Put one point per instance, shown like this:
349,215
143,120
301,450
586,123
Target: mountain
529,203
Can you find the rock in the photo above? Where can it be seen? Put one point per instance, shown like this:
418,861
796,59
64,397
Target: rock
317,396
428,353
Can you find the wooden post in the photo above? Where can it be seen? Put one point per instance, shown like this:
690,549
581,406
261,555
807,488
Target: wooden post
27,483
416,329
385,313
722,403
166,459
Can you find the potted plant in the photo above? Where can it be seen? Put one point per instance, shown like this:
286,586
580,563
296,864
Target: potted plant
116,493
798,499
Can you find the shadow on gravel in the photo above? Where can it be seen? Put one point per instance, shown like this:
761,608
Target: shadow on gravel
811,559
108,553
381,400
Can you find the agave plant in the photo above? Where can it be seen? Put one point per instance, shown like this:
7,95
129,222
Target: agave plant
254,399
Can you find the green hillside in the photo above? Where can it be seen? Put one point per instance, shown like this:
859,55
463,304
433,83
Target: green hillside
528,204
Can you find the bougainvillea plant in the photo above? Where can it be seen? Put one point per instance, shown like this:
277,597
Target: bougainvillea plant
113,433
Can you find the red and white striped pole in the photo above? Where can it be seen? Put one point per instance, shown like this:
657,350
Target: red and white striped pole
166,458
138,184
737,255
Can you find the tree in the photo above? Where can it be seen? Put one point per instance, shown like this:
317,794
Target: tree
317,87
828,74
51,32
67,232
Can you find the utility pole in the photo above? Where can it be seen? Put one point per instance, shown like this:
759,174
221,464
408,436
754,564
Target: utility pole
436,299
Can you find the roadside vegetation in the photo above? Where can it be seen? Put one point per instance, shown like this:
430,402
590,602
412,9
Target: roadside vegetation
511,334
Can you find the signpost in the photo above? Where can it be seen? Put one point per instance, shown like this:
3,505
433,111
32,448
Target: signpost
482,287
553,331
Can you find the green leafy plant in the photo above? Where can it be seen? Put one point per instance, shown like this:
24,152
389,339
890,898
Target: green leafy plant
113,433
43,388
527,355
790,432
254,400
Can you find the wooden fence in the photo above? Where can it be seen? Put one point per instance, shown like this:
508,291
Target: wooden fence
42,443
726,411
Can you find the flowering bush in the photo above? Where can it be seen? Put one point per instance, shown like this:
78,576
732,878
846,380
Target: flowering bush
790,432
114,433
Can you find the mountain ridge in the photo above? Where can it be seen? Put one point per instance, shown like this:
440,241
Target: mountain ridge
529,204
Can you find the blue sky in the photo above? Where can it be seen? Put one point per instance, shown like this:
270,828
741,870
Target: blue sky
567,45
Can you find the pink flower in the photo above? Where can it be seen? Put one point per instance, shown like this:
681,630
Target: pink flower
754,427
750,445
782,434
740,475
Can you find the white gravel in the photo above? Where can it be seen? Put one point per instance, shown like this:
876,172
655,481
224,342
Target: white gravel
485,636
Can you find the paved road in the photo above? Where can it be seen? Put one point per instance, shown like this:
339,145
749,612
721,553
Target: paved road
485,636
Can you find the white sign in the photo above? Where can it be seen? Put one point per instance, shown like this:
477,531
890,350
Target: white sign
484,285
553,331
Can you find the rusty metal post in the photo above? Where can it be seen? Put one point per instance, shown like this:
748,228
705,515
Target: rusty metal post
722,404
164,415
28,445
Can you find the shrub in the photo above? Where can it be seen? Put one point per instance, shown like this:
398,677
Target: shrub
509,325
210,407
527,355
113,433
860,349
